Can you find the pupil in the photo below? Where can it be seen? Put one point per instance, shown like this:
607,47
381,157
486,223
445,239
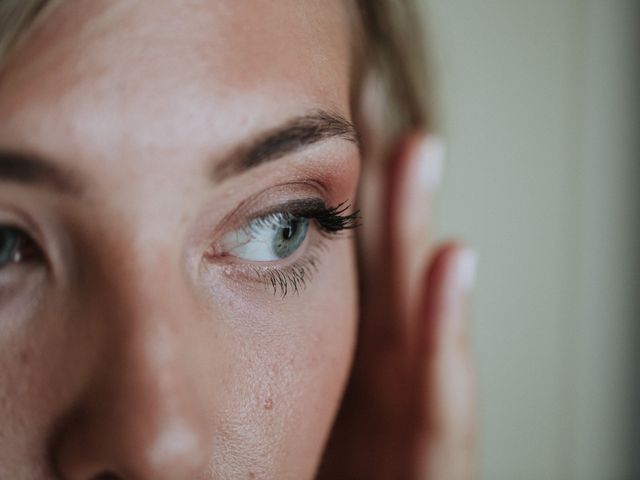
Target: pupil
289,232
290,237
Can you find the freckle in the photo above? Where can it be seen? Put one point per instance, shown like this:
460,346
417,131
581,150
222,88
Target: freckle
268,404
252,475
275,369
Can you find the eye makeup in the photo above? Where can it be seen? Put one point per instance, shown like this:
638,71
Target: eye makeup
281,246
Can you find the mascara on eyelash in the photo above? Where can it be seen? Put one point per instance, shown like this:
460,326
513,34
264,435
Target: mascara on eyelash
331,220
334,220
291,279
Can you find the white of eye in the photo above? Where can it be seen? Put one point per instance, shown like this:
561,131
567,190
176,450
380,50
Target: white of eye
266,239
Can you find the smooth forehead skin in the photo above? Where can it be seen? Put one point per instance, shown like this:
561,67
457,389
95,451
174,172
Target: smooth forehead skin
125,355
144,60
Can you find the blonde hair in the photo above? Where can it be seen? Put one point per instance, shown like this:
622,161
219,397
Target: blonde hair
394,48
16,19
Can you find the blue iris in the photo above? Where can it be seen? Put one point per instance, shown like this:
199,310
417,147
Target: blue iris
289,237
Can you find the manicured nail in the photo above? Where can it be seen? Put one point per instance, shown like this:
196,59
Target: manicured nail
431,159
465,269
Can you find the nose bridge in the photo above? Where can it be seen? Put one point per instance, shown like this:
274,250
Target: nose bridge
145,413
148,401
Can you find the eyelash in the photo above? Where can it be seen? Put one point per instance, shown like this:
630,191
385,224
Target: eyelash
290,279
331,222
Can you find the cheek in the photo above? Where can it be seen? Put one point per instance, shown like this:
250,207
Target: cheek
294,356
31,391
271,370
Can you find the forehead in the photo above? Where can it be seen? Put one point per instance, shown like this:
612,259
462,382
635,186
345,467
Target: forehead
150,61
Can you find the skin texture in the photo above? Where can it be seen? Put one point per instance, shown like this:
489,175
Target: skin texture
129,354
132,349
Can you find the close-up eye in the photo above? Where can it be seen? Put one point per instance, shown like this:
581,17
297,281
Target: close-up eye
278,235
16,247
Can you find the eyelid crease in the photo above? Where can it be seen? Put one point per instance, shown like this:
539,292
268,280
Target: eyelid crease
298,208
229,221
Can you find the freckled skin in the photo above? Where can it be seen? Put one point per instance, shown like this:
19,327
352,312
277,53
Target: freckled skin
125,355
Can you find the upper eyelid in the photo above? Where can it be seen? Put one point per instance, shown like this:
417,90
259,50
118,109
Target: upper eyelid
231,221
309,208
300,207
51,234
26,225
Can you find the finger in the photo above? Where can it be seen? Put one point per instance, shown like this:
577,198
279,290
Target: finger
415,177
446,449
397,206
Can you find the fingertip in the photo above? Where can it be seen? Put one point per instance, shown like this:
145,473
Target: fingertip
430,158
456,263
466,265
450,279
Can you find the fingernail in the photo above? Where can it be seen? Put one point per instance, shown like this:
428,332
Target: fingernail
465,269
431,159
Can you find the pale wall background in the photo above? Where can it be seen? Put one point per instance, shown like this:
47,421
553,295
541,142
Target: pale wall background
539,101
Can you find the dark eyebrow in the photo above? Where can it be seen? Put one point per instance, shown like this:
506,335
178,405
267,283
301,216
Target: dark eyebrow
294,135
31,169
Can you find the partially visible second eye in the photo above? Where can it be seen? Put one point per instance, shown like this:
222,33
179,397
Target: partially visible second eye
270,238
15,247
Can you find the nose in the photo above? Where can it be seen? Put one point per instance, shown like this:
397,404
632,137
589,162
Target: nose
144,413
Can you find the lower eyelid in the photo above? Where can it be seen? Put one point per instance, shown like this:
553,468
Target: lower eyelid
291,279
291,275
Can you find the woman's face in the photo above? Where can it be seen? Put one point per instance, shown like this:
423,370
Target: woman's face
176,298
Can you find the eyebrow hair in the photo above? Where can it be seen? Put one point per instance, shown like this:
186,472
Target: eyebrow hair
30,169
294,135
298,133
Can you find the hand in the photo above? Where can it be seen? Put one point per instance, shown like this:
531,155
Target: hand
409,409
